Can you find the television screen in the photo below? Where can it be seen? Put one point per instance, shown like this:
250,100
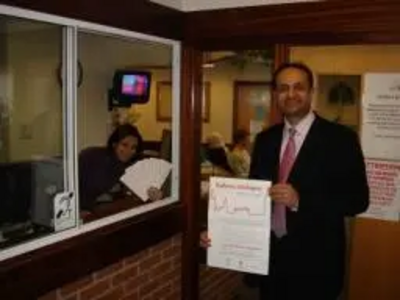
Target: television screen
130,87
134,84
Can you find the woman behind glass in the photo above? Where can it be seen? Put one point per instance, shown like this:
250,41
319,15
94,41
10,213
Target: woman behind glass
100,168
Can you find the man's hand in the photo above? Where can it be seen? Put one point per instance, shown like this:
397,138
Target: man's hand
284,193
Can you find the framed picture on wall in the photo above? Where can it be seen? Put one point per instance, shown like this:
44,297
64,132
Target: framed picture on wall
164,101
338,98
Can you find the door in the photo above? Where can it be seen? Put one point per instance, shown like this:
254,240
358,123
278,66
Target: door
251,107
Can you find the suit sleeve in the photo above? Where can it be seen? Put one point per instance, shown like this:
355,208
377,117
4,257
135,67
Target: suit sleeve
255,162
344,190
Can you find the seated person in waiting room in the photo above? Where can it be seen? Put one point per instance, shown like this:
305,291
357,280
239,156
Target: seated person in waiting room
216,152
101,167
239,158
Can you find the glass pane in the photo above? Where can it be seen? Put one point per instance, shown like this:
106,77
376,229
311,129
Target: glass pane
238,85
31,129
124,119
238,109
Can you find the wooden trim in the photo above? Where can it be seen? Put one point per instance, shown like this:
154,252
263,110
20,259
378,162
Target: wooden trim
190,168
139,15
313,23
33,274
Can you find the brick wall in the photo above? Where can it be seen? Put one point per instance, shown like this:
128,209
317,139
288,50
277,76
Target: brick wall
152,274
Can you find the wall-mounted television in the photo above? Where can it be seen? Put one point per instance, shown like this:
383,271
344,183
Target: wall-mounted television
130,87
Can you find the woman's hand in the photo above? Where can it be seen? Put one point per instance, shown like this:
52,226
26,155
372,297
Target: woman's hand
205,240
154,194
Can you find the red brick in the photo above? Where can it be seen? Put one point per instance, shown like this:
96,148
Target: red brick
162,291
72,297
148,287
114,294
95,290
166,244
134,259
133,284
132,296
49,296
173,296
76,285
172,251
149,262
110,270
168,276
160,269
125,274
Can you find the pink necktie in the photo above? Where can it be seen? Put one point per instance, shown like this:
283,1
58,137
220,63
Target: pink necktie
279,210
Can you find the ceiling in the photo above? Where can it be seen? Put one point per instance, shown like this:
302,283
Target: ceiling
196,5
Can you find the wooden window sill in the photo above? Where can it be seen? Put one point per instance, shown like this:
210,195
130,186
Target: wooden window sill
33,274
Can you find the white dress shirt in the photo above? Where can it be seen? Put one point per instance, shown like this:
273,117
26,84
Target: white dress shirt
301,128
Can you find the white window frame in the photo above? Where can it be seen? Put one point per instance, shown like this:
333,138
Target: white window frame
70,34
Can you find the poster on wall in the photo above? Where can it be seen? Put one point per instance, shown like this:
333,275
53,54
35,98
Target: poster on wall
380,134
384,183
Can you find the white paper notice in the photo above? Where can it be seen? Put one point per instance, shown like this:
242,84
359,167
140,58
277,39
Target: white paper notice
384,184
381,116
239,222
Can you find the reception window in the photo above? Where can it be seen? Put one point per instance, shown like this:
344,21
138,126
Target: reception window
81,144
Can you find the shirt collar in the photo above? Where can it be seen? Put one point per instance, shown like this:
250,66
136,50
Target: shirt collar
303,126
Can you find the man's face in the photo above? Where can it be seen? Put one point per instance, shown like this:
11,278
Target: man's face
293,93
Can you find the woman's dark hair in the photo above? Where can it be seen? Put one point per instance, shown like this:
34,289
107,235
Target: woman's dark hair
293,65
240,135
123,131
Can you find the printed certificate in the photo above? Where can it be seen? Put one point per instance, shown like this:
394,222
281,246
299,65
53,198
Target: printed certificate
239,222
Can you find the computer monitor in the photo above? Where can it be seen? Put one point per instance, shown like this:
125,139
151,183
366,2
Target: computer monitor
27,190
15,191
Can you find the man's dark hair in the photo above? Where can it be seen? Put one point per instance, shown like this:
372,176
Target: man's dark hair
240,135
123,131
293,65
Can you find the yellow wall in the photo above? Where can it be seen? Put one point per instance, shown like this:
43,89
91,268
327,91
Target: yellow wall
34,94
222,93
346,60
100,57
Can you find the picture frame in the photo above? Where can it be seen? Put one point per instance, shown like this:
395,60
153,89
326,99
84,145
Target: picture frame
338,98
164,101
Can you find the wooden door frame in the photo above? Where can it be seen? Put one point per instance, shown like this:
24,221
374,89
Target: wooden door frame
336,22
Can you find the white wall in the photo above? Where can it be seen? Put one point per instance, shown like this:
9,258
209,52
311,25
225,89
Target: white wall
194,5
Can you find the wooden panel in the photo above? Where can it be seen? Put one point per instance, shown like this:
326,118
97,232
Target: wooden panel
375,264
33,274
137,15
325,22
191,103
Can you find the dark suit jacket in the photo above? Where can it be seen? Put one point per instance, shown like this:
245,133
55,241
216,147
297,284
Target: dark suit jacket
329,175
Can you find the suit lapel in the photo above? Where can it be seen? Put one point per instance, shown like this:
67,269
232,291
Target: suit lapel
277,142
307,151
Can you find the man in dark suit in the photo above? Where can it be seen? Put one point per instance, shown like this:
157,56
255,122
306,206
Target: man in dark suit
324,182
